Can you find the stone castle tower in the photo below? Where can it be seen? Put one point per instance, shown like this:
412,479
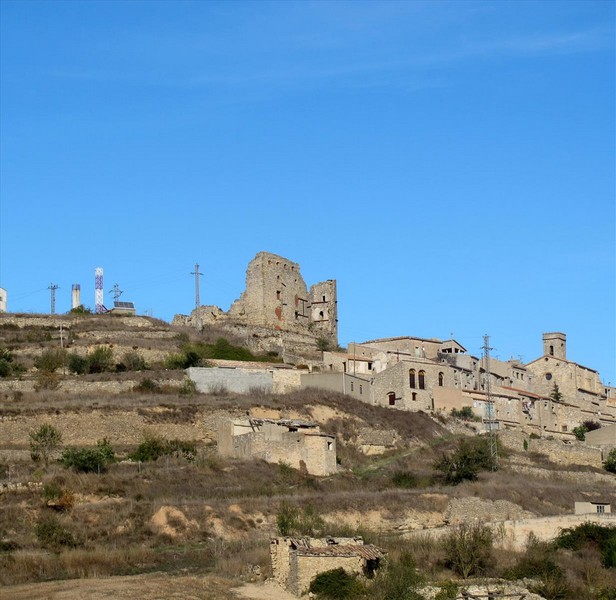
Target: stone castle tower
555,344
277,309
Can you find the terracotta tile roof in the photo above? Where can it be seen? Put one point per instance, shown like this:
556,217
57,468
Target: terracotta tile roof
368,551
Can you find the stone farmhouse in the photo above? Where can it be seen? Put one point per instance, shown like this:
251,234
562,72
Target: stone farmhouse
410,373
299,444
277,311
297,561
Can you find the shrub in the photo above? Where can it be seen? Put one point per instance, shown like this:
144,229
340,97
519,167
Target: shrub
469,549
58,498
100,360
449,591
471,456
292,520
50,360
397,581
132,361
405,479
580,432
44,442
610,461
188,388
147,386
52,534
336,584
465,413
537,562
78,364
8,367
152,448
601,536
89,460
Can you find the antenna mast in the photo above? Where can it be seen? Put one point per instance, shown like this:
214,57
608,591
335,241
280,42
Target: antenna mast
197,275
98,291
53,287
489,414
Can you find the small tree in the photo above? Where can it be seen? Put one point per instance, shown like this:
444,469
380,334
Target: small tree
469,549
43,442
556,394
51,360
100,360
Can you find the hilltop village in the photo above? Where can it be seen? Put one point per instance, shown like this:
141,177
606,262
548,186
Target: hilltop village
248,455
548,396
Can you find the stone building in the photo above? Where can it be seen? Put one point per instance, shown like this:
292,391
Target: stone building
277,311
410,373
296,443
297,561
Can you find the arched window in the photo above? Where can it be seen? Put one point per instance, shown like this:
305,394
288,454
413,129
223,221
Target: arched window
412,378
422,380
441,379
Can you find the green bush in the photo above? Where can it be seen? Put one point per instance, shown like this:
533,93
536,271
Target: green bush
336,584
147,386
44,441
537,562
610,461
188,388
292,520
89,460
465,413
51,360
152,448
405,479
471,456
78,364
600,536
131,361
53,535
580,432
100,360
8,366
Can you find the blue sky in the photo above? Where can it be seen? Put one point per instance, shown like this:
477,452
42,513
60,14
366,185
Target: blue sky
451,164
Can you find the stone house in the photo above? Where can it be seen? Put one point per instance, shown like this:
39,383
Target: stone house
409,373
297,561
299,444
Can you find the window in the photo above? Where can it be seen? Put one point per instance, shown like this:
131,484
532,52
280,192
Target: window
351,386
361,389
600,508
412,378
414,396
391,397
441,379
422,380
370,369
330,445
548,376
551,350
564,428
278,295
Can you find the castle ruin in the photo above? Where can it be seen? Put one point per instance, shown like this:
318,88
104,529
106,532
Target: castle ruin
276,311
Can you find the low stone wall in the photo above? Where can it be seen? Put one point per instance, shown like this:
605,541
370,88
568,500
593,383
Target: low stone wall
559,452
513,534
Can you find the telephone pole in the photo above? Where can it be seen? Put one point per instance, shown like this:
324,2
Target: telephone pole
489,413
53,287
197,275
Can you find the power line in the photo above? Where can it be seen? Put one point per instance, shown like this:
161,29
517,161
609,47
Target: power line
197,275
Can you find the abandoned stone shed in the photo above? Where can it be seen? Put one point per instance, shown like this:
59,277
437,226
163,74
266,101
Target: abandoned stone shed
297,561
299,444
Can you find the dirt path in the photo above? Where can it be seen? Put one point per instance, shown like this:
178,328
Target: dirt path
155,586
267,590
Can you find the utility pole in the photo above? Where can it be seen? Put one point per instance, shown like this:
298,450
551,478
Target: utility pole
489,413
116,291
53,287
197,275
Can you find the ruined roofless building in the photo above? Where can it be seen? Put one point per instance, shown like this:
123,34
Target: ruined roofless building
276,300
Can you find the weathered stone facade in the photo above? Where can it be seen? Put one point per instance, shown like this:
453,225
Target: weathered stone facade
276,308
413,374
298,444
297,561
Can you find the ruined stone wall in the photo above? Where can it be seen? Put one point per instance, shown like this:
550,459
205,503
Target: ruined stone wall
558,451
275,306
308,567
